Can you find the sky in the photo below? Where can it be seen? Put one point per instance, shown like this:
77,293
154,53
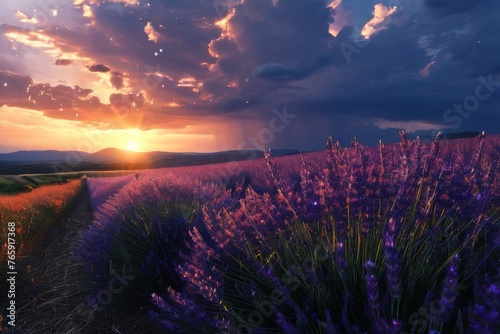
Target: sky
213,75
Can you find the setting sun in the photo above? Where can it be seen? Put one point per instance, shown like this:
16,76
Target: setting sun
132,145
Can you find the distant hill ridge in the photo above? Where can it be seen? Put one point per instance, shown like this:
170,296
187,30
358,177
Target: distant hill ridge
39,156
117,155
164,159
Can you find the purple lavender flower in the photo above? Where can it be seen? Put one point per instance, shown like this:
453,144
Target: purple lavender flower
449,292
392,265
371,286
341,235
287,327
372,291
328,324
484,316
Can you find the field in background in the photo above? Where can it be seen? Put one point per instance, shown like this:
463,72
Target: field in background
387,239
34,213
384,239
13,184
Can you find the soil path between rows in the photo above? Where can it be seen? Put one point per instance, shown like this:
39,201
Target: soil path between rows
51,285
53,288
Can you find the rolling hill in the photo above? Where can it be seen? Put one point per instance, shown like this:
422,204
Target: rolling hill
25,162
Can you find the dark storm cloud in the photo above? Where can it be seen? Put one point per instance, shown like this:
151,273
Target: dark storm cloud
149,66
116,79
184,48
239,103
279,72
13,89
20,91
134,101
291,32
64,102
384,81
271,46
282,54
75,103
215,87
98,68
260,32
60,93
394,77
452,6
229,61
61,101
63,62
477,52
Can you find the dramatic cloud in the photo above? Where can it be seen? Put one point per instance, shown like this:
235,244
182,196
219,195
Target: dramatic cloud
30,38
13,88
153,35
87,11
340,18
24,18
452,6
342,67
117,80
279,72
64,62
98,68
380,14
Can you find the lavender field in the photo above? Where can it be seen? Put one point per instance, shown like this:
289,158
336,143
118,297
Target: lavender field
249,167
402,238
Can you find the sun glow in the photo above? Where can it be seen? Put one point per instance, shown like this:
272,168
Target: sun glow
132,145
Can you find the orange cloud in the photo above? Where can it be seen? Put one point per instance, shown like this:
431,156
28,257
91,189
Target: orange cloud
153,35
380,14
23,18
224,23
340,19
31,38
226,27
427,69
190,81
87,11
39,40
334,4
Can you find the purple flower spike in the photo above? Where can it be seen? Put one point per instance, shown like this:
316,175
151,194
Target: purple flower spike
450,290
392,265
371,286
484,316
287,327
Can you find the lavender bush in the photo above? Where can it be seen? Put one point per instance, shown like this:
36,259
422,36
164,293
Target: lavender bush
100,189
386,239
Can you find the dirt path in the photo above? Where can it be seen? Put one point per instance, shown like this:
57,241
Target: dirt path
54,288
51,287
